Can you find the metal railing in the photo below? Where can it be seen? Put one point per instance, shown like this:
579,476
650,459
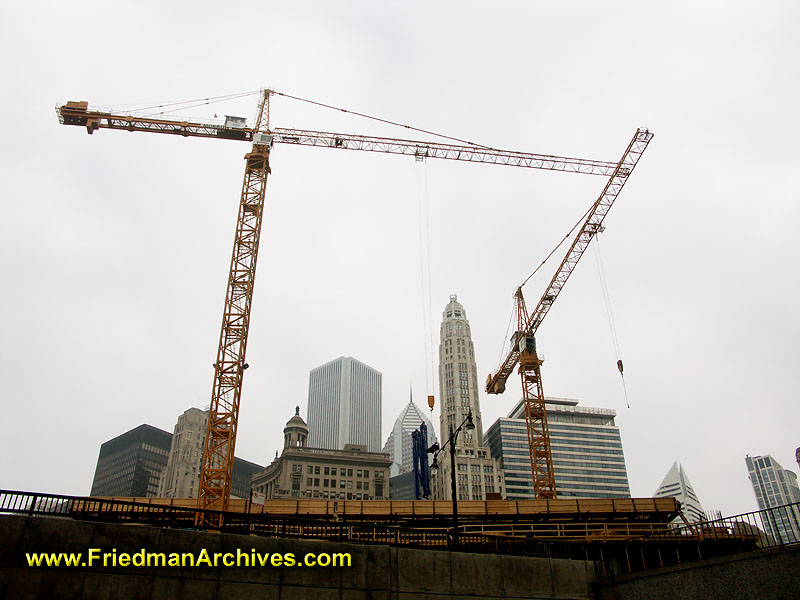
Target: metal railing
616,548
679,544
296,527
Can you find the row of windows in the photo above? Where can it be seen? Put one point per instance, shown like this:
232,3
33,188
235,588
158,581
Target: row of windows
344,484
525,469
574,454
519,431
341,471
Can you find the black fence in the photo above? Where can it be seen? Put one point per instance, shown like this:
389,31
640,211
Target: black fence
773,527
295,527
768,528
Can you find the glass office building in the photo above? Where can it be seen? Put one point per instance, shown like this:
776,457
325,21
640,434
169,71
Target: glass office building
775,488
131,463
588,460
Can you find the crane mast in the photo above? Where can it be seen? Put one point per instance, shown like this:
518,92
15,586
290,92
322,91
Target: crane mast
219,446
523,342
216,472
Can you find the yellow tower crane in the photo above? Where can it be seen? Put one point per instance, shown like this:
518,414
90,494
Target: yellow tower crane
523,341
220,441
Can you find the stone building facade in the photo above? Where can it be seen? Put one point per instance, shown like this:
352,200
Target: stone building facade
181,475
477,473
302,472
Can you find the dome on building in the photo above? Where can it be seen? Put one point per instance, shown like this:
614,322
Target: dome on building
296,431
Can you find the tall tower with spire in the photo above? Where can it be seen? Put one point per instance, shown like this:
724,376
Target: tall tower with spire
399,444
477,473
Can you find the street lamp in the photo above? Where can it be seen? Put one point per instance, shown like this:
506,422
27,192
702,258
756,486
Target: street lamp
467,424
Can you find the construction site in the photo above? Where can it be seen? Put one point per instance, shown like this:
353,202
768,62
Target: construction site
611,538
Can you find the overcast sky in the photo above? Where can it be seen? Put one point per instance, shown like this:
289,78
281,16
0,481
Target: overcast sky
115,248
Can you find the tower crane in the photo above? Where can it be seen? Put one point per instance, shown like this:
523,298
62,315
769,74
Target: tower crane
523,341
220,440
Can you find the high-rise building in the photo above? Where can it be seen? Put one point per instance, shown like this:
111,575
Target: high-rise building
676,485
477,473
775,487
588,461
398,444
131,463
181,475
344,405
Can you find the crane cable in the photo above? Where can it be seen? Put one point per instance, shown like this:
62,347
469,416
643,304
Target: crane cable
528,278
181,105
396,124
425,273
609,312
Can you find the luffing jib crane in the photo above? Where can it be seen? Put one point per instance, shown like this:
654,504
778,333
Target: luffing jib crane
218,451
523,341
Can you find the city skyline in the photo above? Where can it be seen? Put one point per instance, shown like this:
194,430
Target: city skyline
115,257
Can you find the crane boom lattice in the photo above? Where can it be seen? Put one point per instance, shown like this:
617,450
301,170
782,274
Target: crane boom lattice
523,346
218,454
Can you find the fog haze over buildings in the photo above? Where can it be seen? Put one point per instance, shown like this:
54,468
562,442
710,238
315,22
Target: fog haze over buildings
115,247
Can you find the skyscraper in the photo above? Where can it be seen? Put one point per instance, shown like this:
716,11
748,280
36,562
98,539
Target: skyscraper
181,475
131,463
398,444
676,485
477,472
588,461
775,487
344,405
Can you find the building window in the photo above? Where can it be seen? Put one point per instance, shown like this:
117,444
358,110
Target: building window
358,473
366,485
316,470
333,470
358,485
309,482
310,470
326,471
349,486
324,483
349,472
316,482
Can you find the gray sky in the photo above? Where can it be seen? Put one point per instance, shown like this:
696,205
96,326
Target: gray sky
115,247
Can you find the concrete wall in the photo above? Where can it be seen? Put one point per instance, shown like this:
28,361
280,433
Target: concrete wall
773,574
377,572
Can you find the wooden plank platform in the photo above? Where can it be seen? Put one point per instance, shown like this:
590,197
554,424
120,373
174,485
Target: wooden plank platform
578,509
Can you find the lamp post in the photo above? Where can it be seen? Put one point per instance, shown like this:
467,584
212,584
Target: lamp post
436,450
